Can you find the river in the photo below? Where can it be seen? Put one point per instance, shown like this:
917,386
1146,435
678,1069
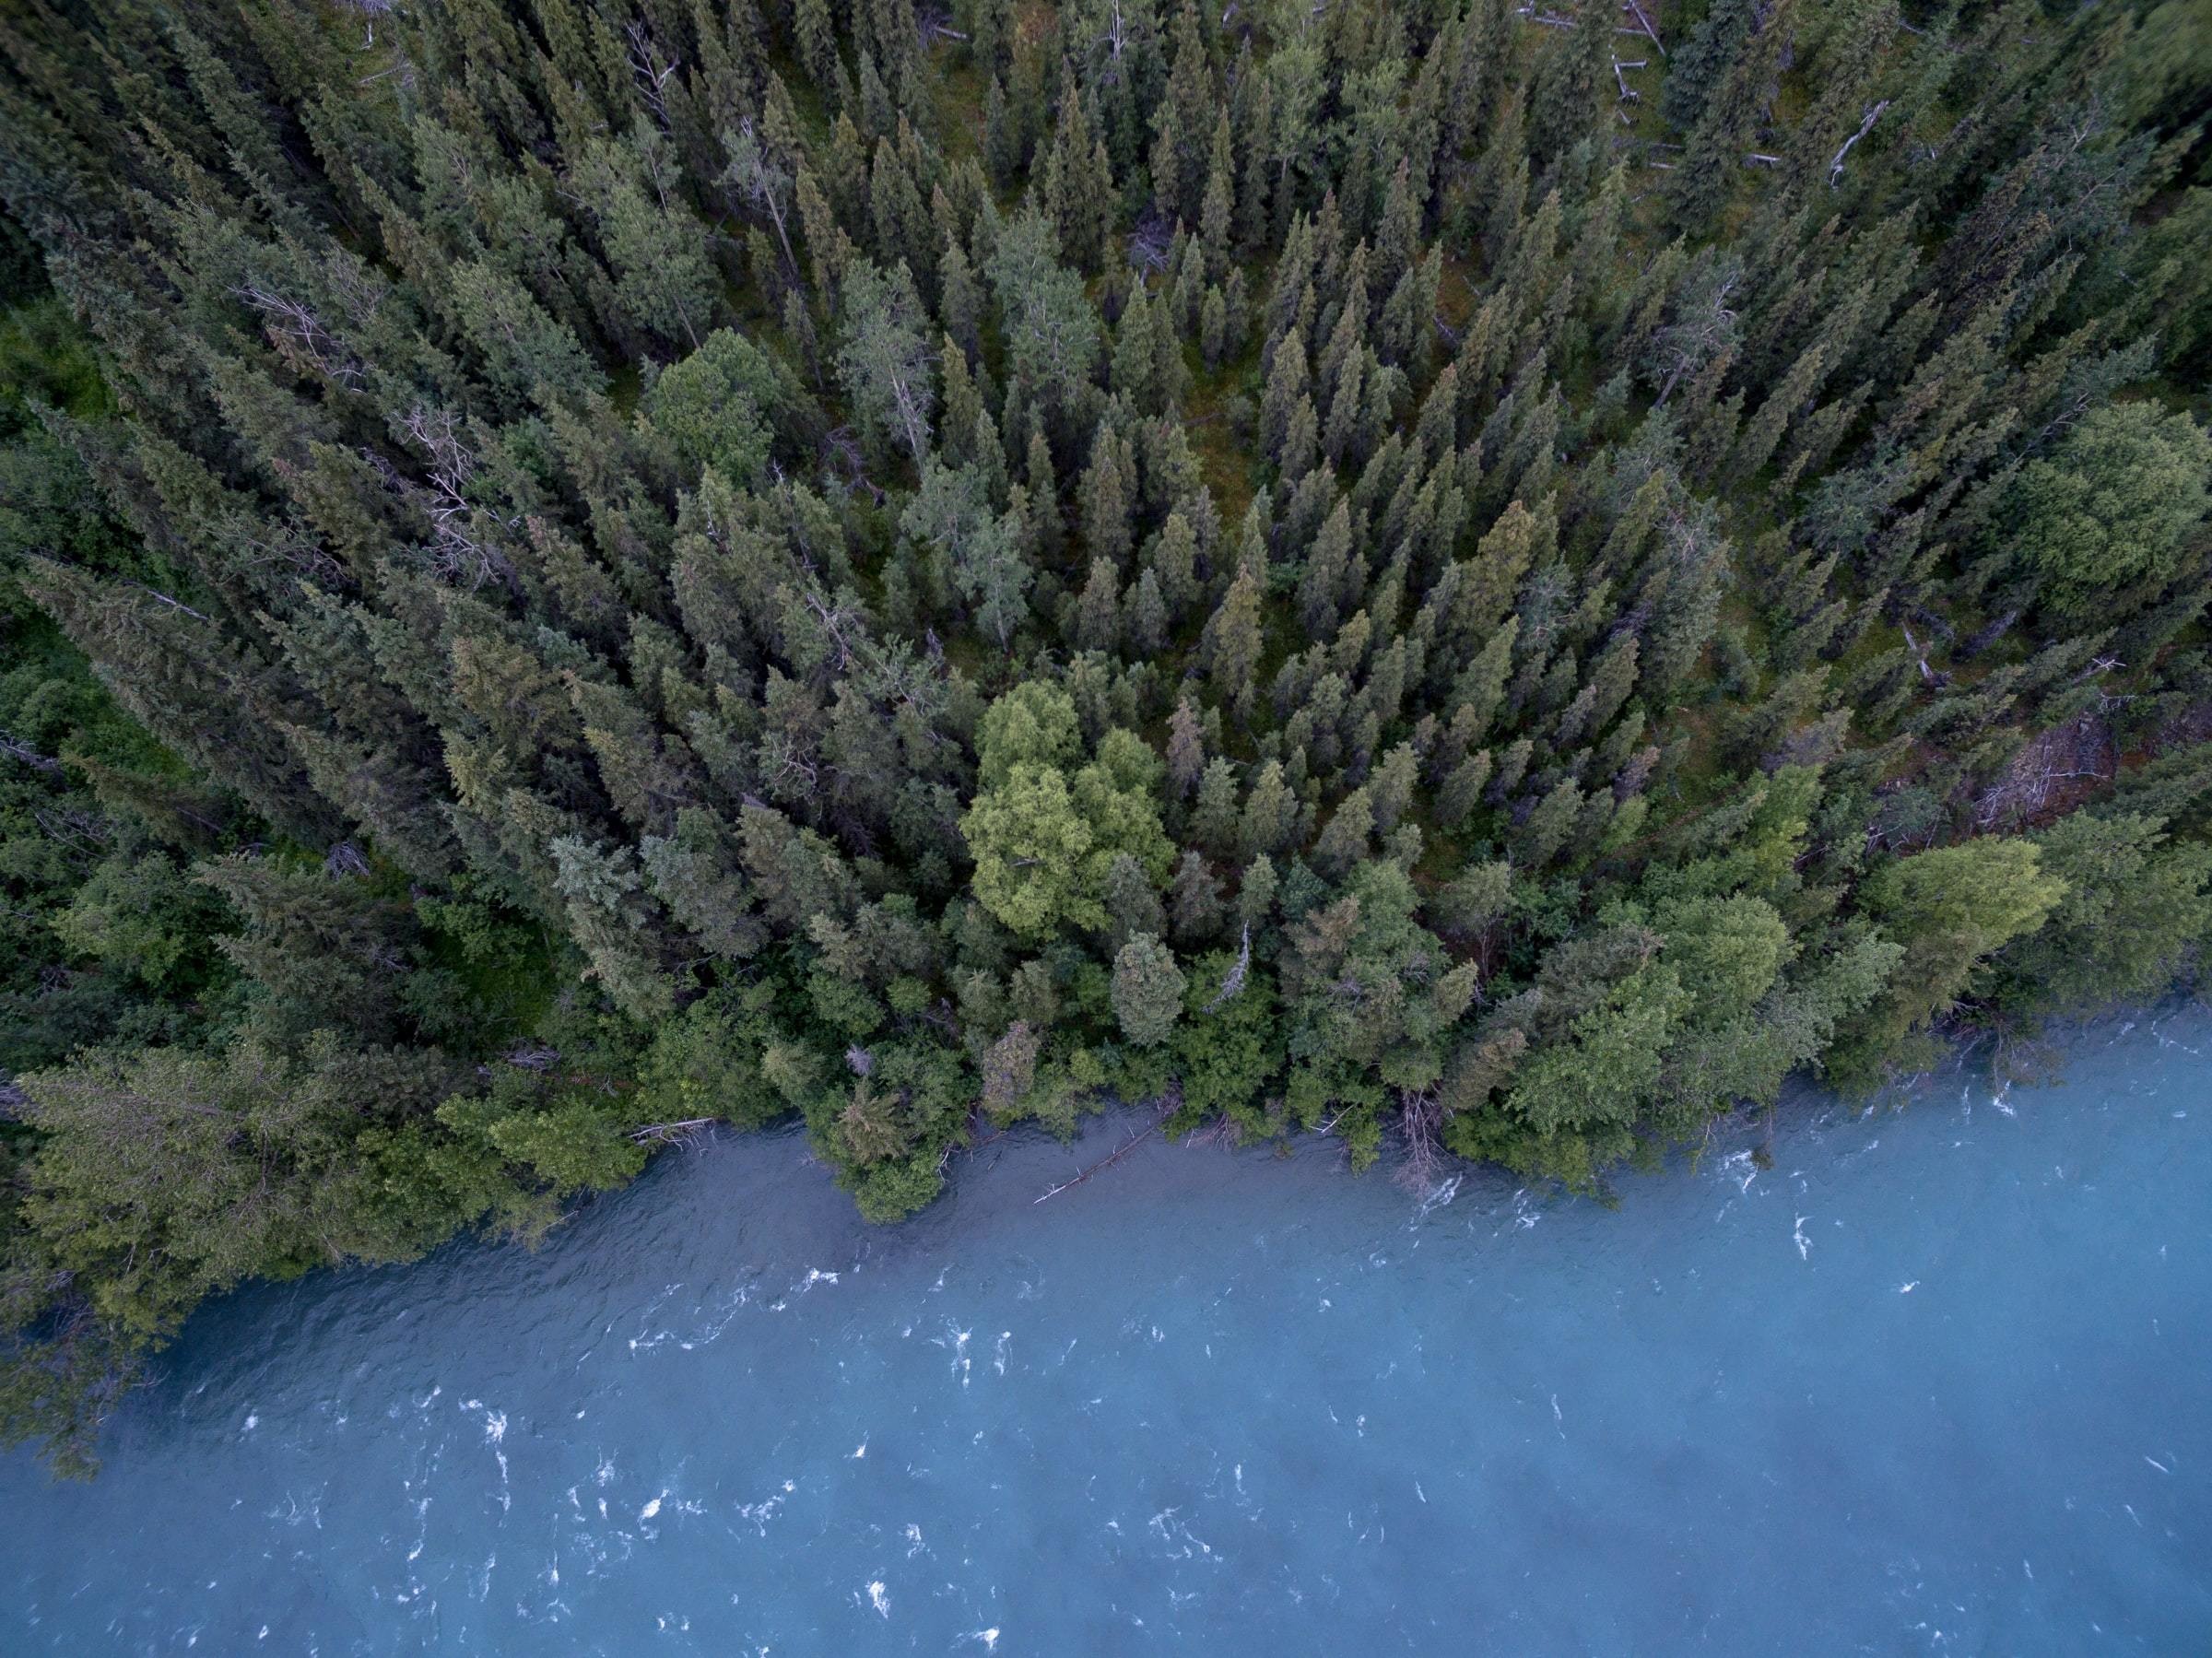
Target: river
1937,1380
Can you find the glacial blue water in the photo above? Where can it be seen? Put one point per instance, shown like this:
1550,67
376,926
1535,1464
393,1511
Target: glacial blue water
1936,1381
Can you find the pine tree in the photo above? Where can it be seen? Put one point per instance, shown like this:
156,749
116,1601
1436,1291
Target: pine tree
1173,558
1392,790
1150,620
1136,354
1097,615
1146,991
883,363
1234,646
1216,205
1214,822
1269,824
1287,386
1328,572
1132,906
761,180
1078,192
818,46
1345,837
1572,91
1197,900
664,284
1106,489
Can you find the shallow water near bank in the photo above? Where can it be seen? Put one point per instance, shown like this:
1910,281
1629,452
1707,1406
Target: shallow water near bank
1935,1381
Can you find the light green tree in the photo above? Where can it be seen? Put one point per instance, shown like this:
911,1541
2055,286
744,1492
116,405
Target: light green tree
1147,991
2111,509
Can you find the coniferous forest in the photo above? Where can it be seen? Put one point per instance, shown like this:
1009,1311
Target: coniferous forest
1486,579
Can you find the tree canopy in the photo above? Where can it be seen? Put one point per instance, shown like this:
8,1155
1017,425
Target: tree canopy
1422,573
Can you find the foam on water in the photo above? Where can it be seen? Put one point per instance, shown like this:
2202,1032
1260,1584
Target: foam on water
1930,1382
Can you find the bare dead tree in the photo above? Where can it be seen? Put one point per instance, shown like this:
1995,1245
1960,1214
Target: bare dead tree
842,448
1693,342
1115,40
1421,1155
761,178
458,552
301,553
792,772
299,336
1149,243
2082,751
1233,980
1551,19
345,859
1635,8
17,749
835,619
177,604
667,1133
1927,673
653,68
80,830
935,23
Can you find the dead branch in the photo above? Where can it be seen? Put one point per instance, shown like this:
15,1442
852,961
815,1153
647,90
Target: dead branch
660,1133
1222,1132
1636,9
173,604
27,754
1128,1145
1835,167
1553,20
1233,980
345,859
1927,673
1422,1155
1330,1126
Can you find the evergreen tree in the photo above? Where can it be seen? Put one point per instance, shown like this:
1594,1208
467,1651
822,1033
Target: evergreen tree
883,363
1147,991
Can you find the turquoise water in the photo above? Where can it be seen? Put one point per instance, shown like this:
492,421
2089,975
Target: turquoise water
1938,1381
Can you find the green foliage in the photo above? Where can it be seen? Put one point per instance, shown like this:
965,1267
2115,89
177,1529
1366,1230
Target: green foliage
1950,909
884,363
1147,991
142,920
2109,512
1044,841
2134,911
161,1175
710,405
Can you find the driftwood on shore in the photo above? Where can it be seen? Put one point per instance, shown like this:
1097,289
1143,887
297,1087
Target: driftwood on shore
1128,1145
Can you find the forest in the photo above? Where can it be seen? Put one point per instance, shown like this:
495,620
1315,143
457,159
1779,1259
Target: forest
1487,580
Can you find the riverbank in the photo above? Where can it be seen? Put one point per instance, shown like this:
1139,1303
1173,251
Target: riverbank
1929,1381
